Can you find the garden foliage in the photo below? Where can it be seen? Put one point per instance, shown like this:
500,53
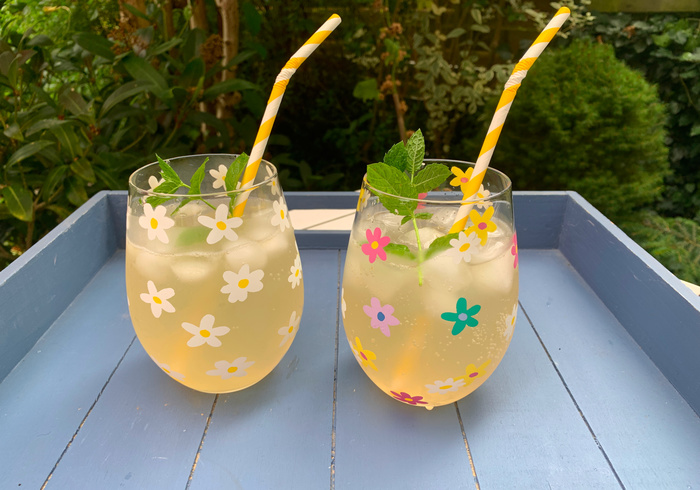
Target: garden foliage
665,48
585,121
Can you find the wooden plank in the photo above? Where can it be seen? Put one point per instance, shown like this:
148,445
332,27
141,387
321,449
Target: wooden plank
37,287
48,394
143,432
648,431
522,425
277,433
538,218
640,292
320,200
383,443
117,209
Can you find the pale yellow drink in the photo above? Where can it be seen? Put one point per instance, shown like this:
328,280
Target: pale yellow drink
402,319
217,317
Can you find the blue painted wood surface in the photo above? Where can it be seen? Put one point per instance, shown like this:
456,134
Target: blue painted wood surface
660,312
39,285
280,429
576,403
641,423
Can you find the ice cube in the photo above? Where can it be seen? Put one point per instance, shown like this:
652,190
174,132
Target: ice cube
154,267
427,235
192,268
496,275
187,215
245,251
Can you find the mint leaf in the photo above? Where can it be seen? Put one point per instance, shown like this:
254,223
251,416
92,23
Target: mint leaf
167,171
167,187
397,157
391,180
415,147
192,236
234,172
424,215
399,250
430,177
197,178
195,187
439,244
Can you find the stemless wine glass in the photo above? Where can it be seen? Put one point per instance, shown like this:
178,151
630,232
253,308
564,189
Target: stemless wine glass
215,299
428,314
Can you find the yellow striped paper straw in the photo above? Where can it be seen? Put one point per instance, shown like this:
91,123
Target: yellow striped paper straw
273,105
499,117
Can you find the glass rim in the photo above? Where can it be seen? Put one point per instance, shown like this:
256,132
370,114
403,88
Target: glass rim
211,195
491,197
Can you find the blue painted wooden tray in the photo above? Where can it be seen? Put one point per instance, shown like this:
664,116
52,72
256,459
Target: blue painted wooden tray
600,387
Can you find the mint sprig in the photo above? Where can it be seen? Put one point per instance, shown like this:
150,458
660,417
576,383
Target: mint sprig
172,182
402,175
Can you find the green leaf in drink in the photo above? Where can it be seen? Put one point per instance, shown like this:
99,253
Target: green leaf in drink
167,172
233,175
399,250
430,177
391,180
415,147
397,157
440,244
399,179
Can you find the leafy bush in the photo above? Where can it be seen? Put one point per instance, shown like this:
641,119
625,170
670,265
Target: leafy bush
78,116
675,242
665,48
585,121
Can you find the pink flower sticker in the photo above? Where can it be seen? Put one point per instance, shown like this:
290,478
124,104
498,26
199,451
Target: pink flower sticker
421,205
382,317
406,398
375,245
514,250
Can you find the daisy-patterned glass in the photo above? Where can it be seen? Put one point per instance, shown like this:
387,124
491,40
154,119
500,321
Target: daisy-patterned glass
418,303
216,298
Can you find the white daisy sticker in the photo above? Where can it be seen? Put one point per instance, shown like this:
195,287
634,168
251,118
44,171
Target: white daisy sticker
482,194
205,333
154,182
221,225
158,299
463,247
238,285
219,177
155,221
228,370
295,276
343,305
290,330
444,386
510,322
170,372
274,187
279,216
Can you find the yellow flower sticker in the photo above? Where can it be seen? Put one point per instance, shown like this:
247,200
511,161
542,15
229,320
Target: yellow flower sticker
363,356
482,224
461,178
474,372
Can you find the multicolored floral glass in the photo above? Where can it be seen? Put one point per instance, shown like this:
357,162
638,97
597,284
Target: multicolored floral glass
215,299
428,314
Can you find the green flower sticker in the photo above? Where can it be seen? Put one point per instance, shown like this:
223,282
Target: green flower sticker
463,317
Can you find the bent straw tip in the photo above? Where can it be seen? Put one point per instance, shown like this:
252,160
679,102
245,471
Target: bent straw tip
563,10
336,16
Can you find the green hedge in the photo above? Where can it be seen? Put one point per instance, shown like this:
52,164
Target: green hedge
585,121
